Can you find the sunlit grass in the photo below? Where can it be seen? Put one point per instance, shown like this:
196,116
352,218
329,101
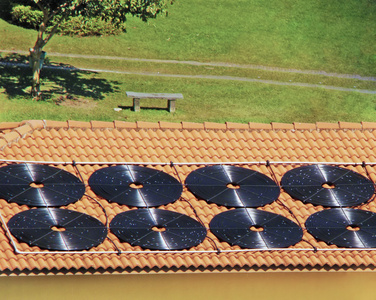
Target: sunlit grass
204,100
336,36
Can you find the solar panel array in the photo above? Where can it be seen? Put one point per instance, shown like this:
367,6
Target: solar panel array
143,189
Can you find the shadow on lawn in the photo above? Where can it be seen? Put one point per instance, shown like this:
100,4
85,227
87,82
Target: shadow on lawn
56,80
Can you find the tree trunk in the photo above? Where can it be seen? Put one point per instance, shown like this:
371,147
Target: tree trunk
35,57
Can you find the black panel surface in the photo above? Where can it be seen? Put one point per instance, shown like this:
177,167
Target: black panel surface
327,186
158,229
153,187
57,229
344,227
232,186
52,186
255,229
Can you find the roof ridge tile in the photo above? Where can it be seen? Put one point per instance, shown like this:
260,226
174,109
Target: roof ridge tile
125,125
231,126
35,124
368,125
147,125
304,126
8,125
260,126
192,125
214,126
21,131
350,125
102,124
170,125
79,124
57,124
327,125
282,126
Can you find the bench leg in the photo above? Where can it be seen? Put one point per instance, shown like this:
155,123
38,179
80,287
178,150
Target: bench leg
171,106
136,104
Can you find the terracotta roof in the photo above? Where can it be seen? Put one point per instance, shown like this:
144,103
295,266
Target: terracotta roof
93,145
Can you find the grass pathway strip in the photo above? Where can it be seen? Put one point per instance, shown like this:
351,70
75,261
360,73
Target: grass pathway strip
212,77
211,64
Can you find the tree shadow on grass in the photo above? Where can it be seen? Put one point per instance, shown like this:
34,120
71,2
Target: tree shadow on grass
57,80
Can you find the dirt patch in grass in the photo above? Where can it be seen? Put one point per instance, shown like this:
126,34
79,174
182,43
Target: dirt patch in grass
70,101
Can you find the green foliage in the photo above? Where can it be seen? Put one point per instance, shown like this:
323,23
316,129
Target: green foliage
86,26
82,17
26,16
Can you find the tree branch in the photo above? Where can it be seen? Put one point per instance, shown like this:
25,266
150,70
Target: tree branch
54,29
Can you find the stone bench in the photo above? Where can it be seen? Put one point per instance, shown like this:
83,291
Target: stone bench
171,98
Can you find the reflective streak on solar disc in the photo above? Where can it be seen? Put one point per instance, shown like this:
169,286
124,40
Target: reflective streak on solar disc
57,229
344,227
158,229
135,186
232,186
255,229
328,186
39,185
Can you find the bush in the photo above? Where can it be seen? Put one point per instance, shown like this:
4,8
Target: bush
26,16
85,26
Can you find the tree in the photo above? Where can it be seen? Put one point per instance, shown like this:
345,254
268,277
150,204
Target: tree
56,11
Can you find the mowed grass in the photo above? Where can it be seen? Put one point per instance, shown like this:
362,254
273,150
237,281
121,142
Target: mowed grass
333,36
336,36
204,100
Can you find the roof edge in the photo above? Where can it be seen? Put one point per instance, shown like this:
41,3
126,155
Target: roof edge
19,130
13,131
210,125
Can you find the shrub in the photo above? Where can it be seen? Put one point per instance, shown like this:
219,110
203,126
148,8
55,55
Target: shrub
28,17
85,26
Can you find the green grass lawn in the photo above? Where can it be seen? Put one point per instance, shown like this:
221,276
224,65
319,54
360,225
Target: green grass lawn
95,95
334,36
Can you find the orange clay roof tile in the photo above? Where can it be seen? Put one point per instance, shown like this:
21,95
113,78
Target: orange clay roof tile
101,124
199,144
78,124
168,125
189,125
368,125
231,125
347,125
214,126
259,126
282,126
323,125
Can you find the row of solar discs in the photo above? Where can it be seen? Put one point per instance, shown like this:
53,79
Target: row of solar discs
61,229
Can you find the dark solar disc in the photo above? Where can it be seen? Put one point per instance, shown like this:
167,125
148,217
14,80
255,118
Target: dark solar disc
57,229
255,229
39,185
344,227
135,186
327,186
158,229
232,186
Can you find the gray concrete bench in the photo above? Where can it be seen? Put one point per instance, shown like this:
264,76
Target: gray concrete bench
171,98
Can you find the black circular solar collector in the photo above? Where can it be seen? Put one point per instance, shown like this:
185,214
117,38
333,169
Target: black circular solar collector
158,229
57,229
344,227
135,186
255,229
39,185
328,186
232,186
